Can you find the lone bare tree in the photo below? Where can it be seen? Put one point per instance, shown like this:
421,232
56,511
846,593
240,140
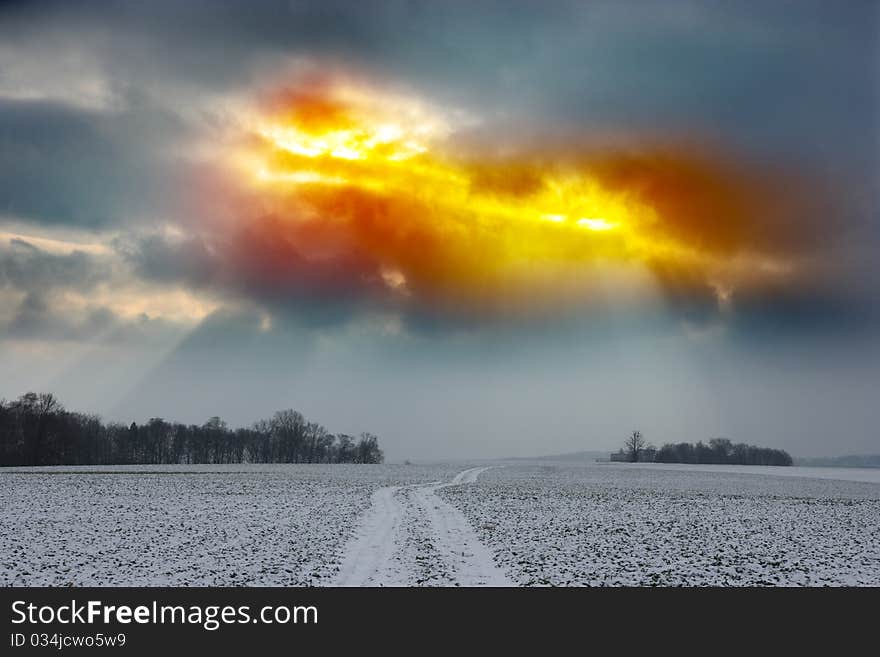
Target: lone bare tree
633,445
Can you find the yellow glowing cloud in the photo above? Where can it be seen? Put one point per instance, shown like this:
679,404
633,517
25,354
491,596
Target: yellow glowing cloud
596,224
342,168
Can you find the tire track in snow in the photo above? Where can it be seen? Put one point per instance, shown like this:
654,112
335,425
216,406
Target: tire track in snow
377,555
368,556
470,562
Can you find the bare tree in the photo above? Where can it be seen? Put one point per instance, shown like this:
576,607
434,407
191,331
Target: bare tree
367,449
288,432
633,445
39,409
345,449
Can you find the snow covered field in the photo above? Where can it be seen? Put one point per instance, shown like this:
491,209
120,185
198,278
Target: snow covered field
622,524
521,523
200,525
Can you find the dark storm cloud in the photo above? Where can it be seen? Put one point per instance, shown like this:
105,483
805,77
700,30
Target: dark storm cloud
781,313
25,267
273,273
786,81
790,81
63,165
187,260
796,76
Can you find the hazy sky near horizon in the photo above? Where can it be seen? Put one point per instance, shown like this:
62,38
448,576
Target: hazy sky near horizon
476,229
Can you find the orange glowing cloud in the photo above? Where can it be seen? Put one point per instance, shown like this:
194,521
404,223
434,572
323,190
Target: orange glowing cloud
355,190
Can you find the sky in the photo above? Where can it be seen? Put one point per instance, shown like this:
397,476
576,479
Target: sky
476,229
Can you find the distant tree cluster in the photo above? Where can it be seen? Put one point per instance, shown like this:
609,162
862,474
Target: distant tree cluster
722,451
718,451
36,429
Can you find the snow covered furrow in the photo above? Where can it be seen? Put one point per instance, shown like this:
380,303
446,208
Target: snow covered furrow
613,525
402,520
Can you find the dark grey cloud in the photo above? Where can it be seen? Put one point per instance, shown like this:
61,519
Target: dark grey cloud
791,313
256,268
788,82
70,166
797,76
188,260
24,266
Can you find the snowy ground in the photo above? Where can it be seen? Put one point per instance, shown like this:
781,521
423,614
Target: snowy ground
254,525
411,537
619,524
444,525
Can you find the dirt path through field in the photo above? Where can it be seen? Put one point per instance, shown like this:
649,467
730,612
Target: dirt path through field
410,536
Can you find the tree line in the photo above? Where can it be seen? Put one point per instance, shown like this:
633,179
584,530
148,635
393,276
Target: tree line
720,451
36,429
